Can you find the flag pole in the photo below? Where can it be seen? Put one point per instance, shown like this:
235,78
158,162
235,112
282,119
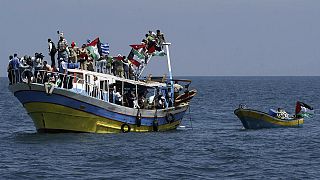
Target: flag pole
170,72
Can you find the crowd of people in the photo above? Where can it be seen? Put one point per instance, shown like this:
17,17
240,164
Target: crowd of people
143,100
83,58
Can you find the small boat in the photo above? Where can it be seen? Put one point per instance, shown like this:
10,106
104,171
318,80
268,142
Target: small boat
254,119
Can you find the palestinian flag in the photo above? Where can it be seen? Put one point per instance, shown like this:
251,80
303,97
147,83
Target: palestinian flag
137,46
119,58
138,54
135,62
93,48
151,49
303,110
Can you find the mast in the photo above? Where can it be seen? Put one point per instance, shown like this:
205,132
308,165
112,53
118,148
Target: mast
170,72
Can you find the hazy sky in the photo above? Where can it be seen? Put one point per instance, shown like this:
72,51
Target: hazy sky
209,37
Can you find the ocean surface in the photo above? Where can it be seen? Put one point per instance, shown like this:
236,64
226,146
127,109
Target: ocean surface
212,145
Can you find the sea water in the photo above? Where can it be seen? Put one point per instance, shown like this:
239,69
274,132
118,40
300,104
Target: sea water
210,144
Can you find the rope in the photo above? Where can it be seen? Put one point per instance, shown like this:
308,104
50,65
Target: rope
190,118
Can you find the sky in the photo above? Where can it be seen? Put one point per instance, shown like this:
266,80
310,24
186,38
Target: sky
209,37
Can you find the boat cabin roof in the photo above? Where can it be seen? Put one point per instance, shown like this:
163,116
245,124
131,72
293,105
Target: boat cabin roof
102,77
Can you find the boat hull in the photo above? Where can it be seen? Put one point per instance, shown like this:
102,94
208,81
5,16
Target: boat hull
67,111
252,119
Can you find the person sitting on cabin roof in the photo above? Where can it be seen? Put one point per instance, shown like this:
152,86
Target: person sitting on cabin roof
159,40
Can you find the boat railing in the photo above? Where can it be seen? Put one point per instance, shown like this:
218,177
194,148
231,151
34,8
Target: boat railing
58,80
68,82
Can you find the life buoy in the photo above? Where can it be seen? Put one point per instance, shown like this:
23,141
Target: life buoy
125,128
170,118
155,125
138,119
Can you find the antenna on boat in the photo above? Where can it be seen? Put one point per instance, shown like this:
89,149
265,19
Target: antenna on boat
170,72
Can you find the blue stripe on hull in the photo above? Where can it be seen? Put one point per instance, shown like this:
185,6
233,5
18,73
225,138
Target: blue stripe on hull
251,123
39,96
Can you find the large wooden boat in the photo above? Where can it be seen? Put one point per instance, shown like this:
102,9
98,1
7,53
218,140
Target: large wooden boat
83,101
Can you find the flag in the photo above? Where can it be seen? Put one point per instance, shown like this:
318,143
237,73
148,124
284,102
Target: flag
158,53
119,58
151,49
135,62
137,46
138,54
105,49
94,42
131,54
303,110
93,48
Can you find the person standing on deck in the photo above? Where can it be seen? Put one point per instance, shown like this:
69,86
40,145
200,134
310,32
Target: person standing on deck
109,64
9,69
125,67
62,49
73,53
15,63
52,52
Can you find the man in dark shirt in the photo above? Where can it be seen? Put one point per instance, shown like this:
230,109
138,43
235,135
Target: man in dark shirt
52,53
